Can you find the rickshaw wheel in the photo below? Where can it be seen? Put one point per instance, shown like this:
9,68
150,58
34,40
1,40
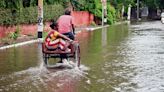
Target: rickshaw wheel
45,59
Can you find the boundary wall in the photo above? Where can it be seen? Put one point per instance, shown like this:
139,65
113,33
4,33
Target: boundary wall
81,18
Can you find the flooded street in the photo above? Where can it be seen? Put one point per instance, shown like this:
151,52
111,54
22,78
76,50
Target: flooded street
120,58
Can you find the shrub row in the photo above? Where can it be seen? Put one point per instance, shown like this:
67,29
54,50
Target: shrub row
29,14
111,14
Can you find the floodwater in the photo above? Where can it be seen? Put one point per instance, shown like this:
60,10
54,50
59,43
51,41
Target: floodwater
120,58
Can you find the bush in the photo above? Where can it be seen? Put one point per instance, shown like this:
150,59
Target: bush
93,23
111,14
53,12
14,35
5,16
29,14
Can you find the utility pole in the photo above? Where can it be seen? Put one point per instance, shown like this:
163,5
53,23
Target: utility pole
104,12
122,12
40,18
129,12
137,9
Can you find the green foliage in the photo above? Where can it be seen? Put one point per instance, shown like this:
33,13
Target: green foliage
111,17
118,15
153,3
2,3
5,40
12,4
95,7
111,12
45,33
33,2
53,12
93,23
117,4
5,16
98,11
14,35
161,2
29,14
49,2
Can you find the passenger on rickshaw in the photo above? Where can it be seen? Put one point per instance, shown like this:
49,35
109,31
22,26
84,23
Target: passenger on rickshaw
55,40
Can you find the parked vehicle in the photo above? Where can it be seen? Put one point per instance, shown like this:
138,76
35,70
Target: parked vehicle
162,17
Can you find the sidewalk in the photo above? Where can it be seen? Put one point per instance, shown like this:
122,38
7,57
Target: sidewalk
90,28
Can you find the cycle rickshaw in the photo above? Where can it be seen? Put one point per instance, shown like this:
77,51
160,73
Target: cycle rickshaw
73,54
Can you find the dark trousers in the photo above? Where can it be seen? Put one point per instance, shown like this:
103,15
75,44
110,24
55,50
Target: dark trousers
70,35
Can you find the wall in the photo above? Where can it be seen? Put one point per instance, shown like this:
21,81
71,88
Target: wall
26,29
81,18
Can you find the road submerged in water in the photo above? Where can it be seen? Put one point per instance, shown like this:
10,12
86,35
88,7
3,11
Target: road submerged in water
120,58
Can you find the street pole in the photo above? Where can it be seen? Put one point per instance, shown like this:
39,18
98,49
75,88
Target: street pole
129,12
104,12
137,9
40,18
40,28
122,12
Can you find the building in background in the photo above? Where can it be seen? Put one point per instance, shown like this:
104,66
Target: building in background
144,12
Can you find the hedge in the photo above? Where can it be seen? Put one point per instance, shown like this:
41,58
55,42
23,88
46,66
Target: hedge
111,17
29,14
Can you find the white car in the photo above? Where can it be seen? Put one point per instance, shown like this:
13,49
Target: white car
162,17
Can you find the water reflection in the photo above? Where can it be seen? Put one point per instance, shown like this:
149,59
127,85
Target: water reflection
104,36
11,63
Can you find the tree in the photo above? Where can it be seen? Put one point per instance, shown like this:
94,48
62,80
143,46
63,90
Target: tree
153,3
95,7
161,4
